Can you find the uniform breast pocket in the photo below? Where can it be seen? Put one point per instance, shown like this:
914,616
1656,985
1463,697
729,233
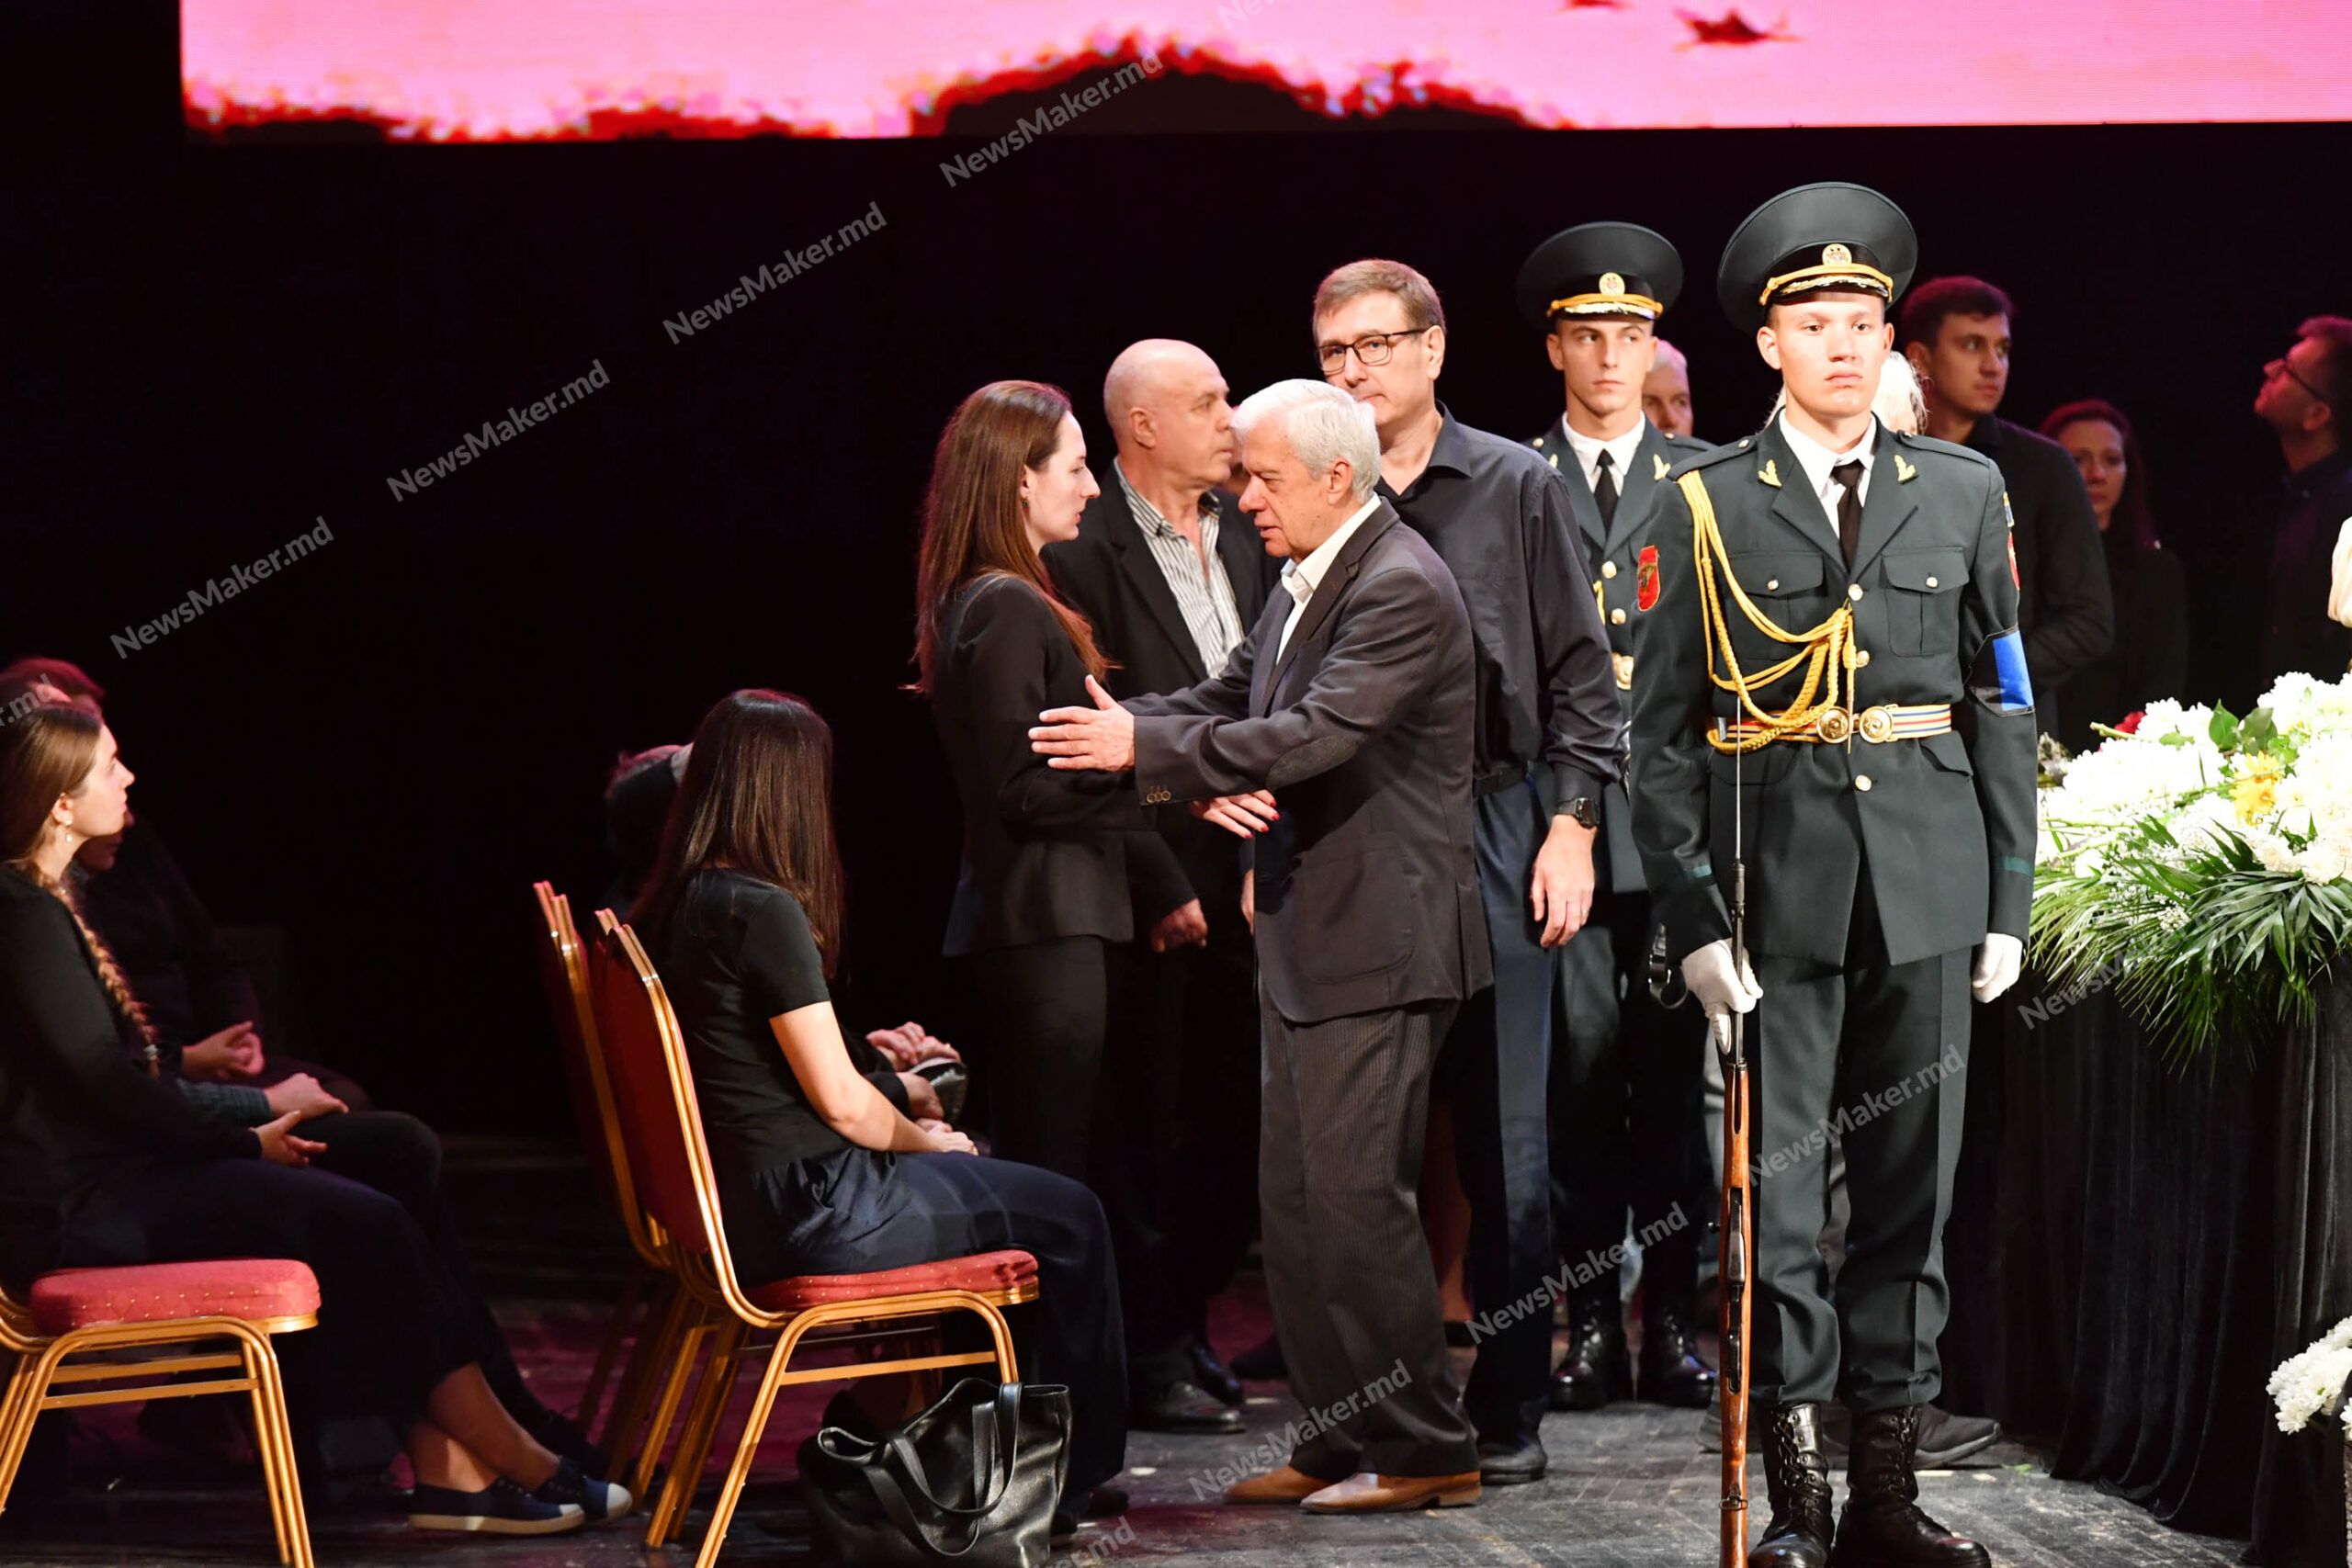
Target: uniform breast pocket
1923,609
1789,588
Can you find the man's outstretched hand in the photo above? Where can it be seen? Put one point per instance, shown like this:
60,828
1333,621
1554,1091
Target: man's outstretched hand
1101,737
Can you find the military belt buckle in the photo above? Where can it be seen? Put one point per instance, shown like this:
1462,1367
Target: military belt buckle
1878,725
1833,725
1625,664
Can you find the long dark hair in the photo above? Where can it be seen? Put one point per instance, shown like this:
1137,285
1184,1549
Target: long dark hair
46,751
2133,530
758,799
971,514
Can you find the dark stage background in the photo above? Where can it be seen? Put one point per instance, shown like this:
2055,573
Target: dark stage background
209,347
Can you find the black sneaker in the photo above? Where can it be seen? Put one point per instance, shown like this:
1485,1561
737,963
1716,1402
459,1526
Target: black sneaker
600,1500
500,1509
564,1438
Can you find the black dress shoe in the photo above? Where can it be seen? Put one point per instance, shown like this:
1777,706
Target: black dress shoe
1595,1371
1796,1480
1511,1460
1214,1375
1883,1526
1182,1407
1671,1371
1262,1362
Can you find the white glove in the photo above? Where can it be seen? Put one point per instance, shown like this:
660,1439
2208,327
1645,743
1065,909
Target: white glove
1997,963
1722,991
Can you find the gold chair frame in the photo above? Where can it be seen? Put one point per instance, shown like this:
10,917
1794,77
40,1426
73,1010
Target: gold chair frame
666,1322
41,1368
736,1324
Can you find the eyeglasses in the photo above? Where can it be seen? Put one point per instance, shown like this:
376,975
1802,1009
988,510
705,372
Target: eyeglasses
2279,364
1372,348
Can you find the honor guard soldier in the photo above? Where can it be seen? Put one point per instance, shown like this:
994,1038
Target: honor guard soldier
1627,1072
1833,705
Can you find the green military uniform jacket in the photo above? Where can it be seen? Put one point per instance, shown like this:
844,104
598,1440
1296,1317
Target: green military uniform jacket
1943,823
1624,555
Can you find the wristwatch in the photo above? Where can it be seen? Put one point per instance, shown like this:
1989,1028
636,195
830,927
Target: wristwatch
1584,809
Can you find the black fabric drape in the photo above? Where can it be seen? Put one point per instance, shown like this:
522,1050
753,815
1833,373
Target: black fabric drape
2144,1247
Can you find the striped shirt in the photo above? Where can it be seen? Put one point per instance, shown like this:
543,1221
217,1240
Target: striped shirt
1197,577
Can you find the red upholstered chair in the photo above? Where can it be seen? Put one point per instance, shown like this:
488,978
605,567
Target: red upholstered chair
655,1094
70,1338
563,975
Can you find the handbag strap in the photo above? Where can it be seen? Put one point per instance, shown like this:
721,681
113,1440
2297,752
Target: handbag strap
996,1444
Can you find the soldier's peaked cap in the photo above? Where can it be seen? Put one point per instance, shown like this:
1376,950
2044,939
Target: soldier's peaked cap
1599,269
1832,235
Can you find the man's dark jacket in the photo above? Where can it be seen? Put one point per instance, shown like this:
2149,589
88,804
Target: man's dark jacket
1367,889
2066,606
2296,631
1623,559
1109,575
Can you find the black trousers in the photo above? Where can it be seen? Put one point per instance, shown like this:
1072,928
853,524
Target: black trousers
1355,1304
1046,1007
393,1321
856,1211
401,1156
1493,1071
1877,1052
1075,1090
1176,1150
1627,1132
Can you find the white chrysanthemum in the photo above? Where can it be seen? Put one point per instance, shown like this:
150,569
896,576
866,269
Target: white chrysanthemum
2166,717
2275,852
2297,700
2125,780
2308,1382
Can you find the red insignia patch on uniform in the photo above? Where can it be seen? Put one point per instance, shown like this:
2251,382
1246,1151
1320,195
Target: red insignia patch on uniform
1645,578
2015,581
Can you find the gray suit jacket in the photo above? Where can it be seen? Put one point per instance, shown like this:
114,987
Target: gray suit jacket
1367,891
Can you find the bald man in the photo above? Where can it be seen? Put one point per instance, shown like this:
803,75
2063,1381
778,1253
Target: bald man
1172,575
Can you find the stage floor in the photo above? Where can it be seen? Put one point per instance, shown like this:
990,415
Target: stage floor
1629,1486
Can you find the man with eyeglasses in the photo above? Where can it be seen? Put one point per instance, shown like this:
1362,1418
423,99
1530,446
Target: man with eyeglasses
2305,392
1547,727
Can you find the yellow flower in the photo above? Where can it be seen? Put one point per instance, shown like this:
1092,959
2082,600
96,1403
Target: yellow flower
2256,793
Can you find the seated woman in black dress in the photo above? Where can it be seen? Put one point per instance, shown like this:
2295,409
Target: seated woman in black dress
102,1164
819,1172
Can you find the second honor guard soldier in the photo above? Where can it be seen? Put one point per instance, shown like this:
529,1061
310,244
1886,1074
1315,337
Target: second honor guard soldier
1627,1072
1833,690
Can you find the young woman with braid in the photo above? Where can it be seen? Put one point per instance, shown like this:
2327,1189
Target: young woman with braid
104,1163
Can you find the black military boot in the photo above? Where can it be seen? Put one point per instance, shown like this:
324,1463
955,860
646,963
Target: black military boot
1595,1370
1671,1371
1796,1479
1883,1526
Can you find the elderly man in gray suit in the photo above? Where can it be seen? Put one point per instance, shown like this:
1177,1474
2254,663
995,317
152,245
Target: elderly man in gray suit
1352,698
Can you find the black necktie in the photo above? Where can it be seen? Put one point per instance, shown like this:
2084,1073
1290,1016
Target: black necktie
1849,508
1605,491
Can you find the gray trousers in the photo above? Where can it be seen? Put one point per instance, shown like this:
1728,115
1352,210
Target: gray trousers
1346,1109
1876,1054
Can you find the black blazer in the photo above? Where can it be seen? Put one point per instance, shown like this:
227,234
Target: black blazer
1108,574
1044,850
1367,890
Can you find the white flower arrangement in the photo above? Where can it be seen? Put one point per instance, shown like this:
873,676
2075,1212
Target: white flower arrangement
2313,1379
2205,861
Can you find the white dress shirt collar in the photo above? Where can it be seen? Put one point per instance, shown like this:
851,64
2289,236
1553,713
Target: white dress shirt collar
1817,460
1590,448
1302,578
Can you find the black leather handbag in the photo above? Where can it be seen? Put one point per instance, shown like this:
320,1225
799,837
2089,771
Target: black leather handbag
973,1480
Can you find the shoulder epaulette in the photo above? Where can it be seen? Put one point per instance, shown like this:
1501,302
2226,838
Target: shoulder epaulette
1929,445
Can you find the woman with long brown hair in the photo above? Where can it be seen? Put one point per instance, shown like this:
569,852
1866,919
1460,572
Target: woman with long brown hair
819,1171
2149,658
1044,894
104,1163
